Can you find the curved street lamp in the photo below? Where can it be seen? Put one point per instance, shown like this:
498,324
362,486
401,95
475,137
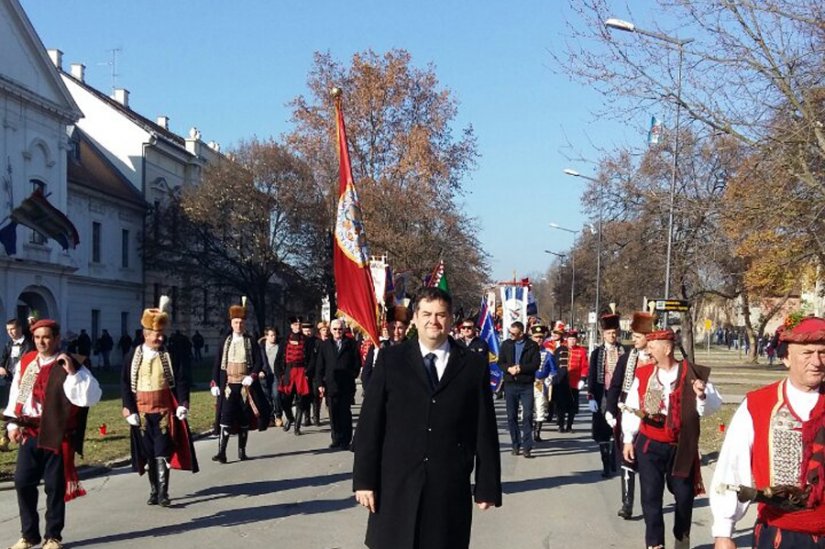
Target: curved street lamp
627,26
572,283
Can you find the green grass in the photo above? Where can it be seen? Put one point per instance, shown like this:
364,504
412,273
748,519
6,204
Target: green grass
102,449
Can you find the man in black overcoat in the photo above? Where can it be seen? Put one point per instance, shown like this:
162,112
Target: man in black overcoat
337,366
427,421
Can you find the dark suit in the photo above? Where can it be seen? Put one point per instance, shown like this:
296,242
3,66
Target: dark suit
519,389
336,370
416,448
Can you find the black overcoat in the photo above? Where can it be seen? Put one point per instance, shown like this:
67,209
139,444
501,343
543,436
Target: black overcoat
262,410
336,370
416,449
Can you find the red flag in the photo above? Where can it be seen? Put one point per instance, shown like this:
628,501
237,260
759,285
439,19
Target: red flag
353,280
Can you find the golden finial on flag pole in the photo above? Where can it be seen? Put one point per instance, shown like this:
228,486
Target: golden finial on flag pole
335,92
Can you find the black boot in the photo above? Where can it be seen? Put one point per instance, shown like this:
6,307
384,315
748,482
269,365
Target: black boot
223,440
316,414
288,418
313,406
604,451
243,436
299,414
163,482
614,463
152,473
628,487
537,432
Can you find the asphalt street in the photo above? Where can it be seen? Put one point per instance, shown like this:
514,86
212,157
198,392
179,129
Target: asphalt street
295,493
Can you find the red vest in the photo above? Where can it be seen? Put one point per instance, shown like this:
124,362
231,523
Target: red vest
763,405
294,354
667,433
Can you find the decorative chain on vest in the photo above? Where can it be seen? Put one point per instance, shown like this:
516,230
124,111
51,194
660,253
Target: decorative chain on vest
247,351
630,370
27,381
600,371
165,362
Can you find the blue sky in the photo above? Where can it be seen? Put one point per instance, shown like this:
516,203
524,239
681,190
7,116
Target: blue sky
229,68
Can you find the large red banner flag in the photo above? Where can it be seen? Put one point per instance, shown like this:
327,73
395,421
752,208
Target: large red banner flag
353,280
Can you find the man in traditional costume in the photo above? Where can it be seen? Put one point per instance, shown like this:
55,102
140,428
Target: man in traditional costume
544,376
620,383
774,450
603,361
155,393
573,358
236,384
49,402
660,428
294,383
312,343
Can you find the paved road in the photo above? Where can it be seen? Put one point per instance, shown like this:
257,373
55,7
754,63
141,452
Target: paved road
296,494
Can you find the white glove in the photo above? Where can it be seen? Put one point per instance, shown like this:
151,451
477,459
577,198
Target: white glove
610,420
581,384
594,407
182,413
247,381
133,420
216,392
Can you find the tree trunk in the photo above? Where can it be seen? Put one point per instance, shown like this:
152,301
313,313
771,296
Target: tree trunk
752,357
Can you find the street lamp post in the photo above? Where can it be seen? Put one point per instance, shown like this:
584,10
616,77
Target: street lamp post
572,283
627,26
600,186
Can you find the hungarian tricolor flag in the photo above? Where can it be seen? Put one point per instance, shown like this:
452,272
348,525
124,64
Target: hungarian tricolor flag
353,280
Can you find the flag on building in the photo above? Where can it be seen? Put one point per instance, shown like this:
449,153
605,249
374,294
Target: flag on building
487,333
655,131
438,278
353,280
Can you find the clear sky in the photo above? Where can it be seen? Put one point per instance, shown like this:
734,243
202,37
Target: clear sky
229,68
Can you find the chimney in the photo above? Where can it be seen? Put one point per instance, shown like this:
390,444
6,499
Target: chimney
121,95
79,71
163,122
57,58
215,146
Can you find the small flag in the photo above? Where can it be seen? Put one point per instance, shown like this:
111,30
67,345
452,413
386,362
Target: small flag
487,333
438,278
655,131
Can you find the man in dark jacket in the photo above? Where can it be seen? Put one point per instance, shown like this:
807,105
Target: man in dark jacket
519,359
18,345
337,366
468,337
427,419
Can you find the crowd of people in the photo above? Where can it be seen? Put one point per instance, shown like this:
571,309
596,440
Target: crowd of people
428,418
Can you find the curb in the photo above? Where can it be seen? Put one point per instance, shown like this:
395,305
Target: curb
86,472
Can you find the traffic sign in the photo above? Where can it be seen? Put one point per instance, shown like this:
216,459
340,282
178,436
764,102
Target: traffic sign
591,317
708,324
672,305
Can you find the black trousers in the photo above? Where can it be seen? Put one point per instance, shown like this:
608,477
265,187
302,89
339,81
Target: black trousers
771,537
302,404
155,441
234,410
34,464
340,419
655,463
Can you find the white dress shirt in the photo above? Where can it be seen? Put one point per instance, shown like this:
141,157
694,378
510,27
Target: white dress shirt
734,465
442,355
631,422
81,388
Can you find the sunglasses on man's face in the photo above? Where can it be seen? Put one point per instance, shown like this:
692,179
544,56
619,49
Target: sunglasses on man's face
466,327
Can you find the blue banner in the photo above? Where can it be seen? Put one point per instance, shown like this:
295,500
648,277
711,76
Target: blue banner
487,332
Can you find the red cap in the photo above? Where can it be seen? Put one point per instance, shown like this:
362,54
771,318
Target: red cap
44,323
808,330
661,335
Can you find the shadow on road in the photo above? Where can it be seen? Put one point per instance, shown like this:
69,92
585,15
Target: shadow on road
259,488
544,483
227,518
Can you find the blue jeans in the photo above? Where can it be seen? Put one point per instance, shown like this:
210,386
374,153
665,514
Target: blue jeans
513,394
